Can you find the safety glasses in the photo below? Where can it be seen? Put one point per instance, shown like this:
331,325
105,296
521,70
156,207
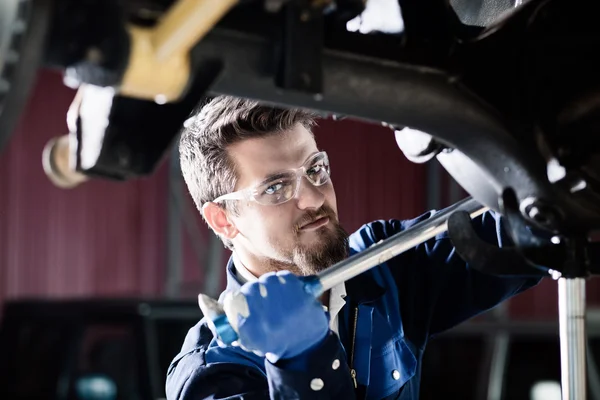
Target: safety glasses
283,186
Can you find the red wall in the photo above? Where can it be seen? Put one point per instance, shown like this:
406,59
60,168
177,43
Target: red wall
371,177
109,239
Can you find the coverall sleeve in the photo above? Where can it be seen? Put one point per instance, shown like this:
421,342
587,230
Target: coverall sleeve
436,288
321,375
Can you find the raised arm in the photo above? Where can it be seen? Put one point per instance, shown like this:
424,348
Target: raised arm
437,289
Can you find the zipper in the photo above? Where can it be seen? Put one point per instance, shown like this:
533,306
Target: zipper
352,370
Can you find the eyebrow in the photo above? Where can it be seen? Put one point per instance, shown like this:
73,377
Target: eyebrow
273,177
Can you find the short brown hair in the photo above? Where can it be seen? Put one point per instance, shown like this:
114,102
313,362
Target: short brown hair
207,169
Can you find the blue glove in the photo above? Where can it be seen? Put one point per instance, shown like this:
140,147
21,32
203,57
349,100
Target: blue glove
277,317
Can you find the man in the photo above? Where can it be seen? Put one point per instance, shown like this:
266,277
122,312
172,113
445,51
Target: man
264,187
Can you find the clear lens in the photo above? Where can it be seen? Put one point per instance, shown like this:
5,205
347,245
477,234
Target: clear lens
276,191
318,170
283,188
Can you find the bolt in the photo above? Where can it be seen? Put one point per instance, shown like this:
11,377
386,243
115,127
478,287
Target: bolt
555,239
534,213
554,274
542,214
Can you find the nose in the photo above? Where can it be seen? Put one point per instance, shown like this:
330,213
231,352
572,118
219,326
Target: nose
309,196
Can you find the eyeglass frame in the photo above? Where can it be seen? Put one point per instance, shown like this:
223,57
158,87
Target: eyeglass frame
300,172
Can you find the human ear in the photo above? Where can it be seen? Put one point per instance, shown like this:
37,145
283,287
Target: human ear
218,219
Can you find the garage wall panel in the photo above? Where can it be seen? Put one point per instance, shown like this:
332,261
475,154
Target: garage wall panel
372,179
102,238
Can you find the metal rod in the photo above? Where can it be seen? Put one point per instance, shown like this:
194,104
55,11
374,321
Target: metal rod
499,359
499,347
397,244
571,310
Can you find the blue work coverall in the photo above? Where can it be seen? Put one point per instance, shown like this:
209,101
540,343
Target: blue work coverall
391,312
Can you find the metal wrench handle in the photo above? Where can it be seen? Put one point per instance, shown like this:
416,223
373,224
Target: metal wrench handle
395,245
355,265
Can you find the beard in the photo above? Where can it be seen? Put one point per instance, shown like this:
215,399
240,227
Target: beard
330,248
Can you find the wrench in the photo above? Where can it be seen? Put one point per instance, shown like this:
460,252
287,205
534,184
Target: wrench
349,268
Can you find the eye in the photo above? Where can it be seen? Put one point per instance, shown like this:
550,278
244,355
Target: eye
273,189
315,169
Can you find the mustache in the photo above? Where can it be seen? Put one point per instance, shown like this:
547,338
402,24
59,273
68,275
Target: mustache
313,215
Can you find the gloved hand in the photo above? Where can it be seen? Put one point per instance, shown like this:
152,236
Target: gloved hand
275,316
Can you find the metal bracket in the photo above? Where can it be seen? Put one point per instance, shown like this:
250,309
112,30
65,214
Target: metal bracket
483,256
533,253
300,65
